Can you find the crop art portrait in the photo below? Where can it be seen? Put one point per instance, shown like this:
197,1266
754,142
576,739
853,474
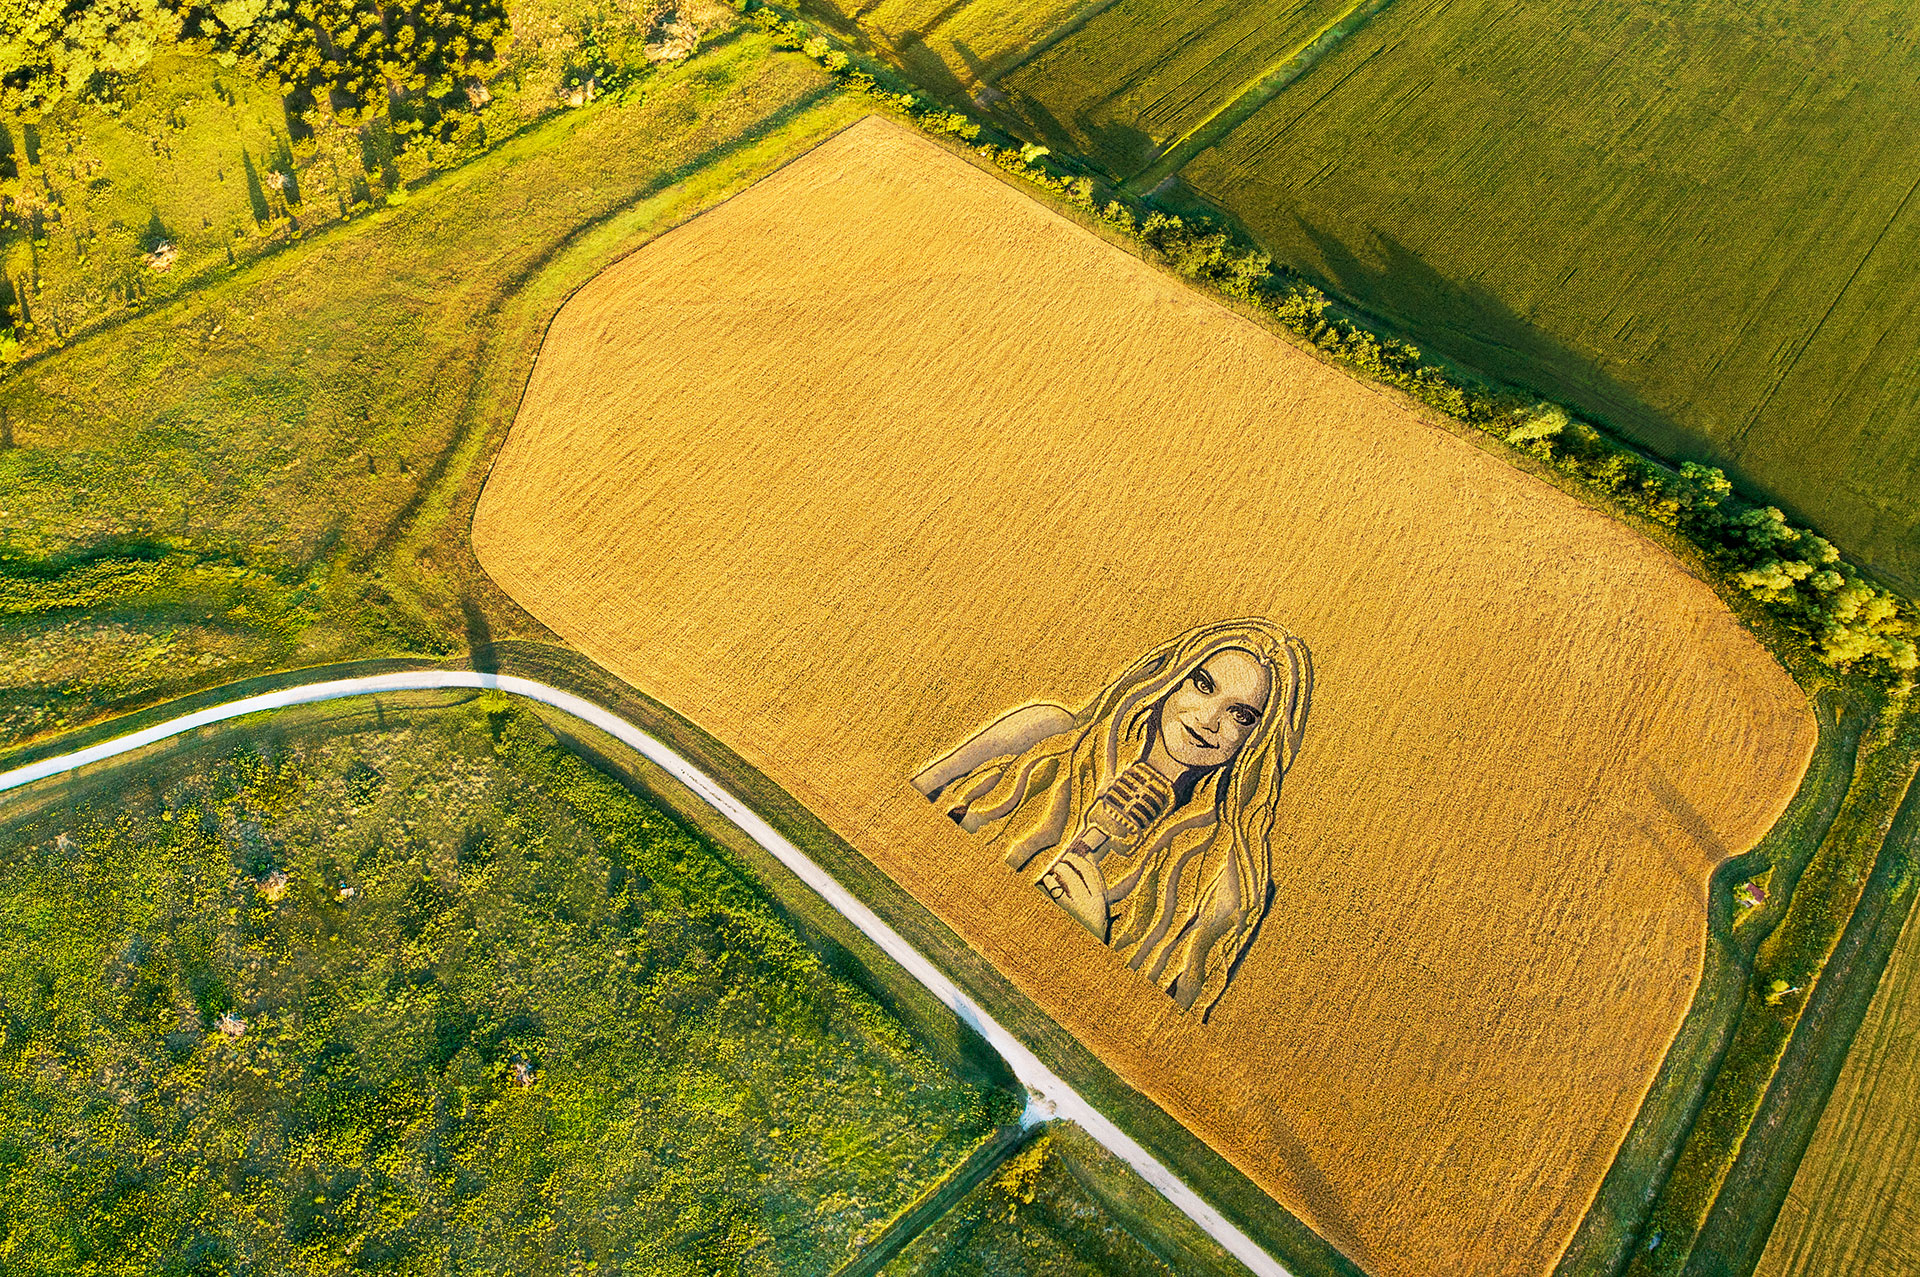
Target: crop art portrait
1147,815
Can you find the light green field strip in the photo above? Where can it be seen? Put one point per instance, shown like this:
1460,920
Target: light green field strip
1050,1097
1255,95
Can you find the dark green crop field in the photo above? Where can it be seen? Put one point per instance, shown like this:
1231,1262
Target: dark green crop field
412,989
1144,72
1693,223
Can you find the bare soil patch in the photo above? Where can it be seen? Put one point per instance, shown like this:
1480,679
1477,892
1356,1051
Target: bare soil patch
881,448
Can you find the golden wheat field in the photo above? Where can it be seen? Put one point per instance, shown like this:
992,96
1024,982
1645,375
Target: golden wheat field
881,448
1855,1202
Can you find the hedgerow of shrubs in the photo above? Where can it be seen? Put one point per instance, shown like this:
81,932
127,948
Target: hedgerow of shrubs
1800,576
355,54
1848,623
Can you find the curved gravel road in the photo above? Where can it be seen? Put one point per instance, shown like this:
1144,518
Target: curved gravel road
1050,1097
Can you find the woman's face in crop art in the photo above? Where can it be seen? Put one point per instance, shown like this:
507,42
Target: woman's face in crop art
1209,716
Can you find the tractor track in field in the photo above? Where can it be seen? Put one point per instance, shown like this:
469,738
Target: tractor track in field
1270,84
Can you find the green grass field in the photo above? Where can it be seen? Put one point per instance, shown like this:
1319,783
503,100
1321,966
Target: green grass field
404,985
257,472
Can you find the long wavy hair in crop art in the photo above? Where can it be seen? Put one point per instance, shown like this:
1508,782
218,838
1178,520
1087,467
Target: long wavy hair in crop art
1149,811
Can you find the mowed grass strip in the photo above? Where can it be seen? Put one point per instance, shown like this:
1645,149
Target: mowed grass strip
408,986
1689,221
989,459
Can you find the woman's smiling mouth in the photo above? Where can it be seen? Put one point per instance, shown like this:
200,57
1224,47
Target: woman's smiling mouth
1197,738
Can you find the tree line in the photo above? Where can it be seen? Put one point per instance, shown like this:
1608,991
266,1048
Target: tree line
355,55
1847,621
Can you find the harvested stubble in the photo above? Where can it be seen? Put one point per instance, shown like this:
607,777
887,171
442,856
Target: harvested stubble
880,448
1855,1202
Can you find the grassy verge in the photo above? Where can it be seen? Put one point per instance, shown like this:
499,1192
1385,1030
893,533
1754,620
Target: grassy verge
1046,1213
258,473
404,983
1810,983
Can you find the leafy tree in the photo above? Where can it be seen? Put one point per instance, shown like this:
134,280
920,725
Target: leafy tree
357,55
53,49
1542,426
360,56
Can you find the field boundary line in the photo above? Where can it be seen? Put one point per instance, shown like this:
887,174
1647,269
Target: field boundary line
1740,1219
1269,85
1050,1096
932,1206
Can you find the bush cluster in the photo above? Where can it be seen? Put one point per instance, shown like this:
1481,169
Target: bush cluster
597,67
1800,576
1847,621
356,55
53,49
361,54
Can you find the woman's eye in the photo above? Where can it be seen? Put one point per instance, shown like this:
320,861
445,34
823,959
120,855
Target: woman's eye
1243,717
1202,682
